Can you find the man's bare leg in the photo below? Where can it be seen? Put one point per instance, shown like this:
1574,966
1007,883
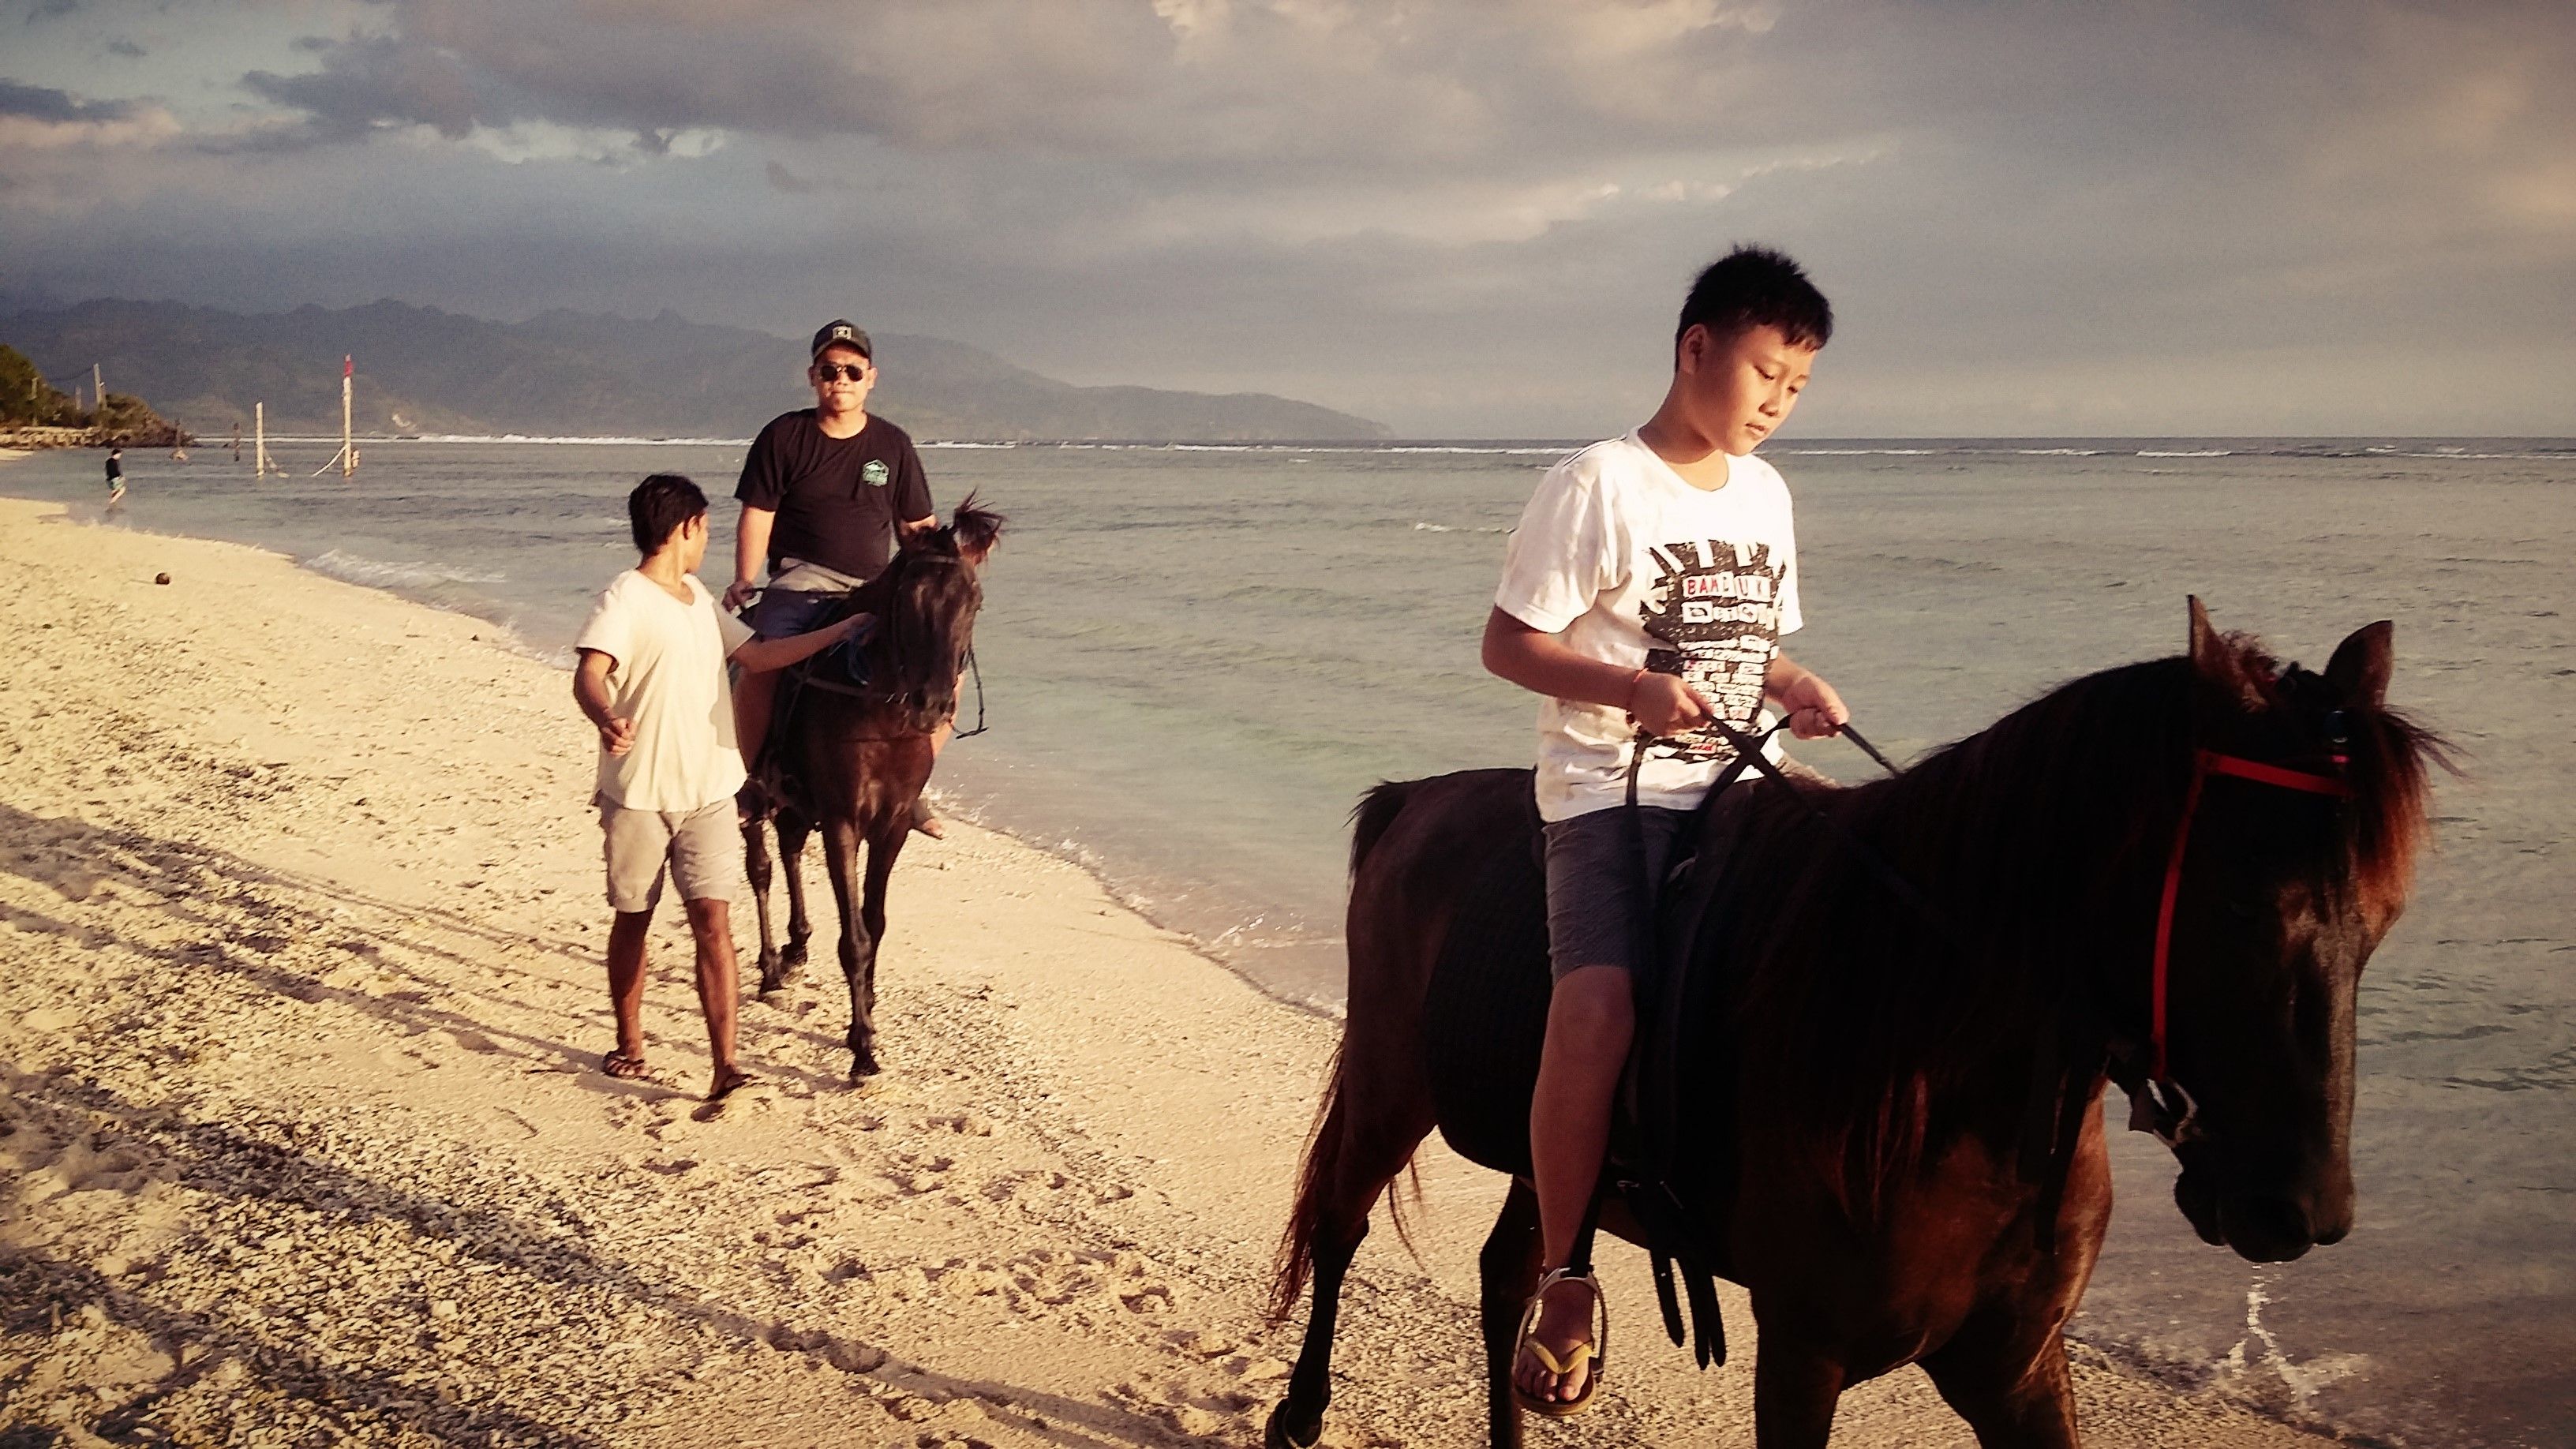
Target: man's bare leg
711,922
1590,1019
922,820
626,989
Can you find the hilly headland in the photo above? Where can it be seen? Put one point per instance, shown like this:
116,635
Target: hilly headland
575,374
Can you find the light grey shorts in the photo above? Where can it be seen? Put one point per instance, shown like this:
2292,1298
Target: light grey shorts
1599,902
701,847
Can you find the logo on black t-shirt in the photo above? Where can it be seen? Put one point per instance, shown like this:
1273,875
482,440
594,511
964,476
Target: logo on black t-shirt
874,473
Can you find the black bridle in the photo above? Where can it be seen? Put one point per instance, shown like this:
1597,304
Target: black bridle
803,674
896,656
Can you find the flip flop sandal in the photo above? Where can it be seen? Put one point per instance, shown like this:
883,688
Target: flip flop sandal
1596,1353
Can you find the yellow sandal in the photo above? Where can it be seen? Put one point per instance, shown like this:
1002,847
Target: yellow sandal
1596,1353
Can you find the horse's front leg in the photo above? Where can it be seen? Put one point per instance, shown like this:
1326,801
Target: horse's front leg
756,868
793,829
882,850
1795,1389
2016,1393
858,949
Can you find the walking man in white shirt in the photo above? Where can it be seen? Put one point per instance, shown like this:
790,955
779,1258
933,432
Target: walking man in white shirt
652,680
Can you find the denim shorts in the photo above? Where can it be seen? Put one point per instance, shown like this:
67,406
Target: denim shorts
785,613
1600,899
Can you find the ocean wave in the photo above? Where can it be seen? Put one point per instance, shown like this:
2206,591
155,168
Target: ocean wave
378,573
2057,452
2188,453
1866,452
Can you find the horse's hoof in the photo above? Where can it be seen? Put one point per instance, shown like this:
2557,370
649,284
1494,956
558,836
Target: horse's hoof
792,960
1277,1435
863,1069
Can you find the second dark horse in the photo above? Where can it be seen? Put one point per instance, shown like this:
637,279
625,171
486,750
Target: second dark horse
859,754
1883,1056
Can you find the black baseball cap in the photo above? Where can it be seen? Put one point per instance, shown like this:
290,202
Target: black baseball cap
842,332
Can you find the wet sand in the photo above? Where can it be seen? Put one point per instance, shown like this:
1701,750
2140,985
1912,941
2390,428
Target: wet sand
300,1005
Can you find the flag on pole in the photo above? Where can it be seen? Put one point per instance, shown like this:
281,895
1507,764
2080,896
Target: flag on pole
348,365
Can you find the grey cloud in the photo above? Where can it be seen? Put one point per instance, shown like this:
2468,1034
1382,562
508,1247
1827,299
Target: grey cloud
1459,217
44,103
126,48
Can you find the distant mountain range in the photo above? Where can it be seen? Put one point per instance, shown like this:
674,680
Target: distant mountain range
574,374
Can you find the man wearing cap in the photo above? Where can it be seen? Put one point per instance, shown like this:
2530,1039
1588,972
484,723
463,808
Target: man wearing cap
825,491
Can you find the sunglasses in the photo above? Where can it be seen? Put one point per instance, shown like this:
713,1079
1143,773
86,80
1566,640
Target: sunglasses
836,371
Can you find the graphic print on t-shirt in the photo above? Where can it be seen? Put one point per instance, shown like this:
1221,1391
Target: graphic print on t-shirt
1714,617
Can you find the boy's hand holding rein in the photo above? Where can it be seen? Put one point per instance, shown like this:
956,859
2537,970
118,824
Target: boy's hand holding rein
1665,705
1814,709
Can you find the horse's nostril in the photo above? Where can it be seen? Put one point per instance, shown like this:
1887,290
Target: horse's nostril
2280,1219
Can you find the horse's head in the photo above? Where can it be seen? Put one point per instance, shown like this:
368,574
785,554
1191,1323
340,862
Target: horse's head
926,601
2309,800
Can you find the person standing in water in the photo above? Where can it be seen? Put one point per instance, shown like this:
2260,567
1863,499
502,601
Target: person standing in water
115,477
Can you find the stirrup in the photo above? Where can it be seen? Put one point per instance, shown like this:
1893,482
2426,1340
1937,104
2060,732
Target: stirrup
1596,1353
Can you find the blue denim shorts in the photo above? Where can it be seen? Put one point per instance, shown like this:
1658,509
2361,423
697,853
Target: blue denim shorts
783,613
1600,900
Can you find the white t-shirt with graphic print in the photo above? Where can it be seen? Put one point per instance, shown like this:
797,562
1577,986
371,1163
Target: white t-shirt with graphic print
1638,568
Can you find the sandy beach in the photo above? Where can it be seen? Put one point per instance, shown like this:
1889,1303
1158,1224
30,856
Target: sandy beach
300,1008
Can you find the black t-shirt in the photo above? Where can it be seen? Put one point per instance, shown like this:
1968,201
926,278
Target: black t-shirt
837,499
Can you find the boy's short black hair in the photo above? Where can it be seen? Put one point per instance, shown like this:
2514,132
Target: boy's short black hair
659,505
1756,287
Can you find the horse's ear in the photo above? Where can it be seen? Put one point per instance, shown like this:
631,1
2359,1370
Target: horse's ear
2360,667
2213,658
2210,655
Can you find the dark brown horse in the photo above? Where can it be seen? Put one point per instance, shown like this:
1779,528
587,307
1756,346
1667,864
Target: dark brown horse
1883,1054
857,755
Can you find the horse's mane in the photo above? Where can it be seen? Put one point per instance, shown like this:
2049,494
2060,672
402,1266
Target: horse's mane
2038,844
972,529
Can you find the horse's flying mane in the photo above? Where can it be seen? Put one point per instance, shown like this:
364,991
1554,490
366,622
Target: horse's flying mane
2039,844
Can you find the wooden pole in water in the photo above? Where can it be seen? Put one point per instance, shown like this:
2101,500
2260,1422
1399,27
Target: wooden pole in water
348,453
97,389
259,440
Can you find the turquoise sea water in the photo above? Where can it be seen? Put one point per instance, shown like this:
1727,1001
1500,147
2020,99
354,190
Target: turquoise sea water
1197,657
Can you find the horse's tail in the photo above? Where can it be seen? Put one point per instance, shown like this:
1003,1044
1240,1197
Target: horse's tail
1323,1152
1326,1143
1375,812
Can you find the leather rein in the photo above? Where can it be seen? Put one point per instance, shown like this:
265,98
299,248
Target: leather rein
804,674
2161,1106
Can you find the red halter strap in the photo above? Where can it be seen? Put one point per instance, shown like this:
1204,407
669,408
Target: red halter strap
2206,763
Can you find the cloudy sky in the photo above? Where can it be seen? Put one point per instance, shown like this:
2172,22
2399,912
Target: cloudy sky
1462,217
